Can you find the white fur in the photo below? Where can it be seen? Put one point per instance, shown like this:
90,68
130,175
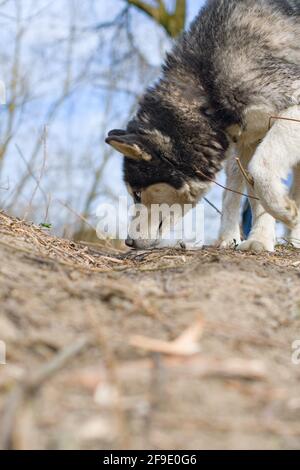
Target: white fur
270,162
230,233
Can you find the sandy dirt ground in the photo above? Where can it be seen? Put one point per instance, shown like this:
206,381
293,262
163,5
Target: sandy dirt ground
158,350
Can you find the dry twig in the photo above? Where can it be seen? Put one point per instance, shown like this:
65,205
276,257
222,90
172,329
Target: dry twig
246,174
24,391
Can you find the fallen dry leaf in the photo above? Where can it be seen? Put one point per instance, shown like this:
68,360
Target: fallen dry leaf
187,344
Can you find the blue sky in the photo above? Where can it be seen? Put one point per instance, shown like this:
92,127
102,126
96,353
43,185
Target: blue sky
75,145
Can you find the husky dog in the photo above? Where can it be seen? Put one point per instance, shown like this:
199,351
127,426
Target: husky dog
237,65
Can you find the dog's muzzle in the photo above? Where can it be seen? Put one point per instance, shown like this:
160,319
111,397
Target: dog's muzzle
129,242
140,244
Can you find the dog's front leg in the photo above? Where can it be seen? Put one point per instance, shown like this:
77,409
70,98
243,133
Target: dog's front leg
230,234
274,158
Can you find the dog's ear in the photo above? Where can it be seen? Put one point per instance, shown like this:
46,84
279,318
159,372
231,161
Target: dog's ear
127,144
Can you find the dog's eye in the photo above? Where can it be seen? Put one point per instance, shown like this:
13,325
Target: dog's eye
137,195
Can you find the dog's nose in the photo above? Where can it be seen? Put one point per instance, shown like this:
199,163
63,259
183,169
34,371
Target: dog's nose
129,242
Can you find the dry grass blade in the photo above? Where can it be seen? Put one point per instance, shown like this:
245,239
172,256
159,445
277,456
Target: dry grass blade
59,250
233,368
245,173
280,118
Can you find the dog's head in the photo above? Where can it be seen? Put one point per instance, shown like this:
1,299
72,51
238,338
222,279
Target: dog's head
155,175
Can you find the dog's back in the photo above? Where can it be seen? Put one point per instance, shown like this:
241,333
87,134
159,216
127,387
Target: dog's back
246,52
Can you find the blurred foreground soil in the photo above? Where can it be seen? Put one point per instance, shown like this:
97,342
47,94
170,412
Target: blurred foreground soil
158,350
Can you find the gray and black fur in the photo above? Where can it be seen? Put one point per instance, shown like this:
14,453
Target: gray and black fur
236,54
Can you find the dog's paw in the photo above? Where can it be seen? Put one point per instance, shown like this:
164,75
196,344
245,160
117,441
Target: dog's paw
225,243
294,238
257,246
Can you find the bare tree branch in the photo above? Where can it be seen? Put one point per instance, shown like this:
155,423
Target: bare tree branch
146,8
172,22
